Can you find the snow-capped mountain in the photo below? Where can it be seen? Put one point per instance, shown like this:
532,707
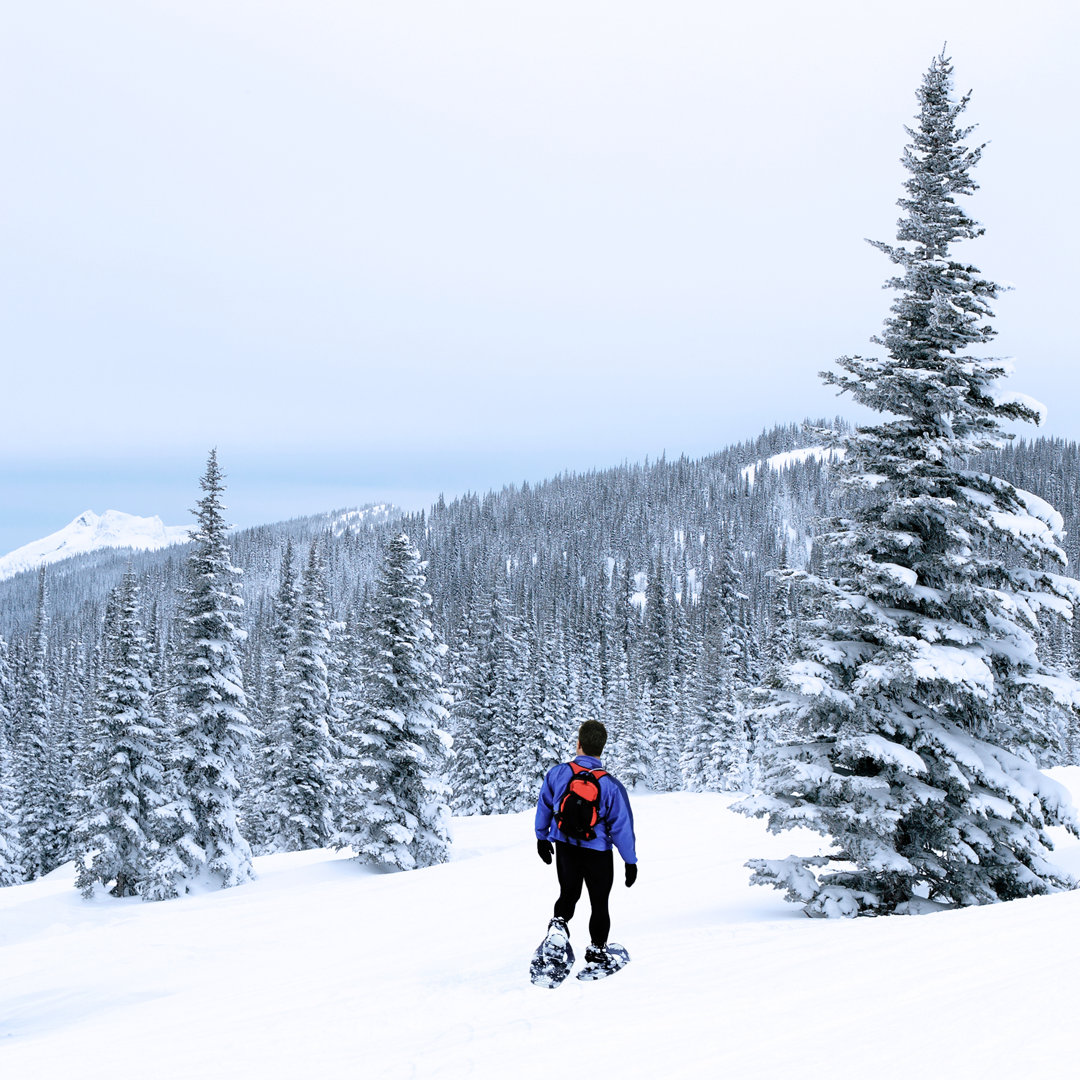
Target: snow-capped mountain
91,532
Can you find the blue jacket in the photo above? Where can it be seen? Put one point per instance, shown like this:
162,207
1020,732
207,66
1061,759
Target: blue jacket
616,824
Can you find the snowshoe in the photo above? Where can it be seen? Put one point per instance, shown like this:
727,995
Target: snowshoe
602,961
554,956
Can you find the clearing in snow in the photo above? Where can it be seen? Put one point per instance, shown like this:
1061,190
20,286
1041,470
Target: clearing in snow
322,968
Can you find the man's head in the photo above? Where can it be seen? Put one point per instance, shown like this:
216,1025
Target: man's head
592,735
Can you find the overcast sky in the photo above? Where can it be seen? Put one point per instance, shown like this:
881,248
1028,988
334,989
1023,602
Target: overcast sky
378,251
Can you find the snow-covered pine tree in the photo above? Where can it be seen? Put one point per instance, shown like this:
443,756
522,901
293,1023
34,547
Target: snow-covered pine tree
10,863
346,694
618,715
731,602
173,822
542,734
282,631
681,687
715,755
306,795
471,718
213,737
7,690
506,786
922,707
627,623
666,735
656,646
39,801
406,820
488,710
636,754
274,744
660,660
503,670
70,733
355,741
125,776
555,701
466,796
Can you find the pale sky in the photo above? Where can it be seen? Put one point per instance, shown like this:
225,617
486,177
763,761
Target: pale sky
379,251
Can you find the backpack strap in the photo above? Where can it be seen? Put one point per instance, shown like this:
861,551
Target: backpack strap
598,773
576,768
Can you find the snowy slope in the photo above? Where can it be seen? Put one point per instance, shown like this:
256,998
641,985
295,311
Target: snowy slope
324,969
790,458
91,532
360,518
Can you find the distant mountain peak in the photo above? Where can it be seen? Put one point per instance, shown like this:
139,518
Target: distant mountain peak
92,532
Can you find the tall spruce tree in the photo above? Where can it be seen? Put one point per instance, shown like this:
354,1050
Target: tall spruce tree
618,714
480,717
405,820
514,733
73,708
542,734
39,794
10,863
213,738
921,708
345,709
125,776
306,796
714,756
468,714
636,753
274,744
7,690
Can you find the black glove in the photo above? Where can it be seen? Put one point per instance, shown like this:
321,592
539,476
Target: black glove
544,850
631,873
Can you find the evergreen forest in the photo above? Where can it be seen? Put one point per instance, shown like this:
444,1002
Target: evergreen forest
866,630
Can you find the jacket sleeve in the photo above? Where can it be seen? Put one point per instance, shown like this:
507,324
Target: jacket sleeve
620,821
545,805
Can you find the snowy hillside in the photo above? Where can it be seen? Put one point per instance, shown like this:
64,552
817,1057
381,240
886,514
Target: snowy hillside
788,459
92,532
324,969
366,517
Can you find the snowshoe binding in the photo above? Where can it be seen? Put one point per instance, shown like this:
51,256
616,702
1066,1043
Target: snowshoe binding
602,961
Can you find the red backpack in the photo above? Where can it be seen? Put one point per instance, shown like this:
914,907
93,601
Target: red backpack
579,808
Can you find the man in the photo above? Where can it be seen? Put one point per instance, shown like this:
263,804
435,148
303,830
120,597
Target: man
583,851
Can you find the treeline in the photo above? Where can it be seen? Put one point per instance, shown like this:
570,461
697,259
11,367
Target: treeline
138,757
643,595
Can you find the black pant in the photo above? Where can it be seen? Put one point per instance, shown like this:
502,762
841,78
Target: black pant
596,869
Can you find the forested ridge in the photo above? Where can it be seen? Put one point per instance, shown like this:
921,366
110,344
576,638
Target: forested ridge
643,595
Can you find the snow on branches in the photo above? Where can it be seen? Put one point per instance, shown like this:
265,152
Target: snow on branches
919,706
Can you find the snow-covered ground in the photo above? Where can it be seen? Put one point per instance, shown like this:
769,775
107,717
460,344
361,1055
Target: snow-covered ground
324,969
92,532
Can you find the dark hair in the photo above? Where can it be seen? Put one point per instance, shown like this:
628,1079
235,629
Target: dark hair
592,735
